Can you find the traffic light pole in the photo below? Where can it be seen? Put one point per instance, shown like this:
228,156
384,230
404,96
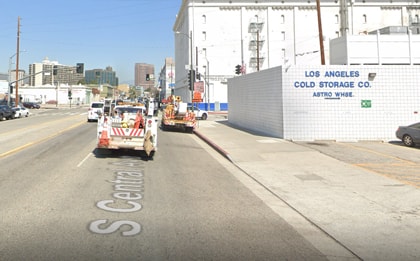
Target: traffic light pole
16,82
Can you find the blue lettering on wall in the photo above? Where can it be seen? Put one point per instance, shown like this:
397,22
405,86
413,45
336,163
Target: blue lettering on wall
304,84
363,84
341,74
343,94
336,84
331,80
312,73
322,94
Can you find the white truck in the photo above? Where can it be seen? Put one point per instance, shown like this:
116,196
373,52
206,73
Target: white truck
128,126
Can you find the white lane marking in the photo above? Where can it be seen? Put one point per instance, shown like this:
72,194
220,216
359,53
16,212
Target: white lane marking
87,156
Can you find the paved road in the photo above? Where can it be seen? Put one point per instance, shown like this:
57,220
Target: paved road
63,200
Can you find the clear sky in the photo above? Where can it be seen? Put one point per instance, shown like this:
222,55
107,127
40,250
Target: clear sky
98,33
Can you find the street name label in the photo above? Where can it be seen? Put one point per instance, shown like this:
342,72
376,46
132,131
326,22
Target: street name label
128,191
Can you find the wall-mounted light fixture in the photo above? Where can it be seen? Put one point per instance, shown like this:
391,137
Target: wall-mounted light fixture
371,76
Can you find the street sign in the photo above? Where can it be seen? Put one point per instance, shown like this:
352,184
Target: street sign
199,87
197,97
366,104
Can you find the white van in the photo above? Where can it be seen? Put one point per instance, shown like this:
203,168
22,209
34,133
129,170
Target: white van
95,109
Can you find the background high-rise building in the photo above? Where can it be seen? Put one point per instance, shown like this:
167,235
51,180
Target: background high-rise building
43,73
101,76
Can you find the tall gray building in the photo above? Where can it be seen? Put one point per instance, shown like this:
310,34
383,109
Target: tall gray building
100,76
53,73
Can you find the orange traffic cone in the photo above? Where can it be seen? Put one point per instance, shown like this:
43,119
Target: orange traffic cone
104,140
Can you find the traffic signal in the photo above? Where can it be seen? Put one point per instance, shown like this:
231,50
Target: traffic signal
79,68
238,69
191,79
69,93
55,69
10,89
147,77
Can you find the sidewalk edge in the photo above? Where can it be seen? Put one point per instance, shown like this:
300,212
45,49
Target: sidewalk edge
213,145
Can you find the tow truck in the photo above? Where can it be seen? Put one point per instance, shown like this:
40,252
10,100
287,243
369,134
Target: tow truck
176,115
128,126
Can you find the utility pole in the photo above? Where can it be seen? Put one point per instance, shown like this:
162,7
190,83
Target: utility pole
17,99
321,37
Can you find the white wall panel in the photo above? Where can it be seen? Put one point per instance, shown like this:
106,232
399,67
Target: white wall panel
311,102
255,102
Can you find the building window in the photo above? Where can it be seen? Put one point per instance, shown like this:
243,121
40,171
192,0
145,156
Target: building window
204,36
337,34
282,19
204,52
364,19
283,35
416,19
337,19
283,53
204,19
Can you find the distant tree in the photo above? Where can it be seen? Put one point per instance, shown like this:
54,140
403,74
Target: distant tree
82,81
132,93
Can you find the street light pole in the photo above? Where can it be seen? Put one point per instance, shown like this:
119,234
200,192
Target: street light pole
10,78
191,68
17,98
192,78
207,85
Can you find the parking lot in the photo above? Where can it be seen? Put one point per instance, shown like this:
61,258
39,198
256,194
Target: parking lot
390,158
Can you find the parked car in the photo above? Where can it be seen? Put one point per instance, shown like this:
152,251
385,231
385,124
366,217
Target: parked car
409,135
20,112
199,114
6,112
95,109
31,105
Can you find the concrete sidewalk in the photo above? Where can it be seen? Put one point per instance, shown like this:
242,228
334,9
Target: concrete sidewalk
346,212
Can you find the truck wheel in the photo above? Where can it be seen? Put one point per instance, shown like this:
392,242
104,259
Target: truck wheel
150,157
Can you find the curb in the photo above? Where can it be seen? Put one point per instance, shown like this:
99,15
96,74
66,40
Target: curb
213,145
218,112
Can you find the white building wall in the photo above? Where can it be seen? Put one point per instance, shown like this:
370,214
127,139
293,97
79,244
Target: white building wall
376,49
4,87
44,94
255,102
290,33
303,106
